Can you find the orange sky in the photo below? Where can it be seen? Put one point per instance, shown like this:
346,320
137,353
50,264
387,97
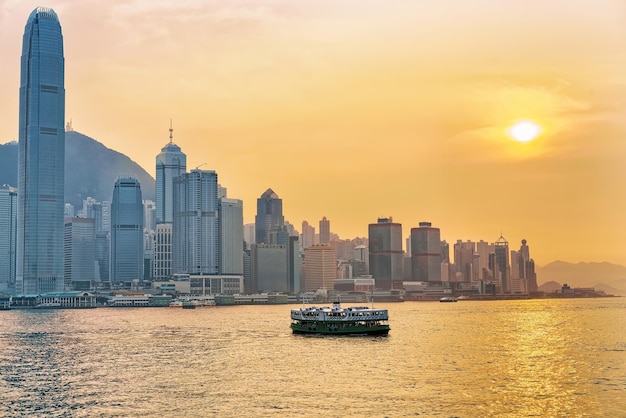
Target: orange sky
358,109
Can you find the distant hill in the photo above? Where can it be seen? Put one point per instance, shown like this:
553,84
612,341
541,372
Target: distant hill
603,276
91,169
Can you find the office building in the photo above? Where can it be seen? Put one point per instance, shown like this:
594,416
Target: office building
501,267
269,220
195,229
426,253
269,267
41,156
385,253
320,267
8,238
127,256
79,253
231,236
170,163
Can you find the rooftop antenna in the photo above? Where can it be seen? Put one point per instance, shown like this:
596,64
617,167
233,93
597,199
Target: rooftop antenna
199,166
171,131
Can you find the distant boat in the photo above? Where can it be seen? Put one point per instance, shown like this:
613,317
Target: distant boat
447,299
340,321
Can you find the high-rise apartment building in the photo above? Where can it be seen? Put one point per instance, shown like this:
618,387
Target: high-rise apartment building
195,241
8,238
269,219
170,163
324,231
307,237
426,253
385,253
127,257
79,252
231,236
40,213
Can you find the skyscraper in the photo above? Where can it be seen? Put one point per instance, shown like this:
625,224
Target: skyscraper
8,232
195,241
170,163
79,252
426,253
324,231
385,253
41,156
501,266
126,231
269,218
231,236
320,267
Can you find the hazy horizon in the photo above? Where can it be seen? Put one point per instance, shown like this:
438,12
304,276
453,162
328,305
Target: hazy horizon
357,110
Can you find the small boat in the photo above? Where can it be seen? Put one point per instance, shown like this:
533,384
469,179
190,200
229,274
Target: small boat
447,299
340,321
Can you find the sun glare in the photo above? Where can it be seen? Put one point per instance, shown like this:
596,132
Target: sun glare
524,131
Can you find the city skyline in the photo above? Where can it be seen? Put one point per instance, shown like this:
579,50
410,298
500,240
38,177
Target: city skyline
372,111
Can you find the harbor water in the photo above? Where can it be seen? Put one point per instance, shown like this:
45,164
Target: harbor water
554,357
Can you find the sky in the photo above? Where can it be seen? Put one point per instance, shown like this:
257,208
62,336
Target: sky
356,110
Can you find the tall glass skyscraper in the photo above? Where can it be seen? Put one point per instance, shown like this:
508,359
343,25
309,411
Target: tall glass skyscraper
41,156
126,231
170,163
195,241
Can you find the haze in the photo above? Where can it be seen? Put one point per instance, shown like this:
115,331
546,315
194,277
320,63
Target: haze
358,109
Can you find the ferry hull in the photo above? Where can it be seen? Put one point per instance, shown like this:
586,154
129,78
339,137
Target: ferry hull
349,331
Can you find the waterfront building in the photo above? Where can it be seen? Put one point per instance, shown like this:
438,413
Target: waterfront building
320,267
79,253
324,231
8,238
127,257
195,230
41,156
426,253
385,253
269,267
231,236
269,220
162,259
170,163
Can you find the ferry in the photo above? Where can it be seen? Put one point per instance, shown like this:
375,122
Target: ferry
340,321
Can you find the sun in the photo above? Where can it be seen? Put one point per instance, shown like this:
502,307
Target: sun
525,131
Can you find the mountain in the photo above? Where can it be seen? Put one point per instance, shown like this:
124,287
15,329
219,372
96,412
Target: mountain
603,276
91,169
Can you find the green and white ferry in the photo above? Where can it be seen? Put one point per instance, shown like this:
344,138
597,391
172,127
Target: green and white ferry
340,321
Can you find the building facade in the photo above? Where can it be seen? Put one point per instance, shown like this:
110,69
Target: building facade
269,220
385,253
231,236
8,238
127,256
324,231
79,251
40,213
170,163
320,267
195,229
426,253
